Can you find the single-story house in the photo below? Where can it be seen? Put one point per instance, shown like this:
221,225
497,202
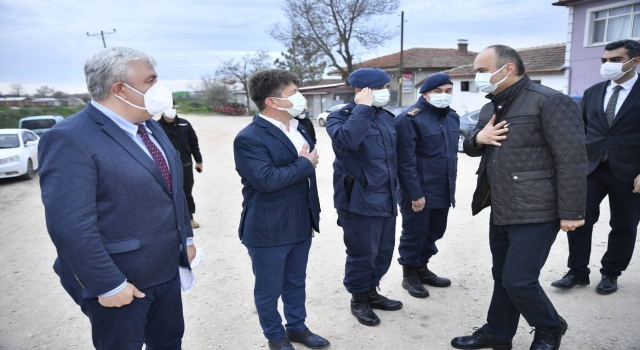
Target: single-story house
543,64
15,101
46,102
418,63
325,94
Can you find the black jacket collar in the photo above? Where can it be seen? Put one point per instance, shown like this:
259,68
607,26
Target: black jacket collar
511,92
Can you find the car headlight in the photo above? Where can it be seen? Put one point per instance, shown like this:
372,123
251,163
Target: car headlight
10,159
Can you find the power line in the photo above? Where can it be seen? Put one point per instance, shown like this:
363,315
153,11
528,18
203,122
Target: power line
102,34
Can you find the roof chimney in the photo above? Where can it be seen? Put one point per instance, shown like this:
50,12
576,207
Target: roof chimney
462,47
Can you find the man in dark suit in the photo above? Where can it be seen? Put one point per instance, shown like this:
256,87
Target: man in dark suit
276,161
611,113
112,190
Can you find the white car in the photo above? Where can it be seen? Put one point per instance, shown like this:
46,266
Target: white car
18,153
322,117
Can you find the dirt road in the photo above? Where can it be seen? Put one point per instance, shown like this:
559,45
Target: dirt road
36,313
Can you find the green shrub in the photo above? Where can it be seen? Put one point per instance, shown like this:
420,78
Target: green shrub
9,117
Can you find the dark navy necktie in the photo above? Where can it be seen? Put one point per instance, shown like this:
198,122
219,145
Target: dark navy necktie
156,154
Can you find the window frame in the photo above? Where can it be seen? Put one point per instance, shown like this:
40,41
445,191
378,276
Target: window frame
590,22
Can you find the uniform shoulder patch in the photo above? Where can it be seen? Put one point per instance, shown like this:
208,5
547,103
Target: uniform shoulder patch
414,111
346,111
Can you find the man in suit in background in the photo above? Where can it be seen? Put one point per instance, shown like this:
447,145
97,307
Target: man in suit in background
611,113
276,161
112,189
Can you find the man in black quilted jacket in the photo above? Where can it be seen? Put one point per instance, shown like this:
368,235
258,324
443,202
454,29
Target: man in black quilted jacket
533,175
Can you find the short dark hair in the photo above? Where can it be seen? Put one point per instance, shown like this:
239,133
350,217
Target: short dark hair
505,54
269,83
632,46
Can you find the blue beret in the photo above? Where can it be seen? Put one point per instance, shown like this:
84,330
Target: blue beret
368,78
434,81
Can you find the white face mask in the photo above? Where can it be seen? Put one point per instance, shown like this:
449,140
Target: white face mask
440,100
298,101
170,114
157,99
380,97
483,81
613,70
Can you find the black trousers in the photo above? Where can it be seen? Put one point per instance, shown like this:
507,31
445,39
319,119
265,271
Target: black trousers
519,253
187,185
625,216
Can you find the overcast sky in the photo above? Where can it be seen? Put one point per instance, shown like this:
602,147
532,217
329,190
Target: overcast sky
44,42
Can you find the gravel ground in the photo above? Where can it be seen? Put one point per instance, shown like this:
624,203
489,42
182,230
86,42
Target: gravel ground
219,312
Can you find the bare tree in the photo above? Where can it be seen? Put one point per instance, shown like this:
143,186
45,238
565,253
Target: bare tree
16,89
237,72
44,91
337,27
60,94
304,59
212,91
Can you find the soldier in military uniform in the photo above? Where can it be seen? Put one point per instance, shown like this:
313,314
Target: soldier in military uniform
365,178
427,135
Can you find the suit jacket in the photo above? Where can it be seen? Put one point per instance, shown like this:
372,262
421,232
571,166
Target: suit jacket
108,209
280,192
621,140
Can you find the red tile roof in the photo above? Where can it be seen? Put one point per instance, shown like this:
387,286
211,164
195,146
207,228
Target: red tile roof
540,59
419,57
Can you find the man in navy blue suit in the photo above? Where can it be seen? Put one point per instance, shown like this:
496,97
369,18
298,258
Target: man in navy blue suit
112,189
276,160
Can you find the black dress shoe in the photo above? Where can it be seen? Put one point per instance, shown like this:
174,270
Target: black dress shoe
280,344
570,280
549,338
361,309
608,284
381,302
309,339
480,340
412,284
429,278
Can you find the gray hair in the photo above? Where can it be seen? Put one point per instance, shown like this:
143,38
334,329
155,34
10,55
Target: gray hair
109,66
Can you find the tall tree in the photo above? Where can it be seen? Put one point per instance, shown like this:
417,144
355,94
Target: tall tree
237,72
304,59
16,89
337,27
44,91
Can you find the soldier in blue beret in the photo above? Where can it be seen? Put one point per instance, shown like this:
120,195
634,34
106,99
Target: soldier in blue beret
427,167
365,179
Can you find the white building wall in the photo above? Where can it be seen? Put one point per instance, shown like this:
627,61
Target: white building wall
469,101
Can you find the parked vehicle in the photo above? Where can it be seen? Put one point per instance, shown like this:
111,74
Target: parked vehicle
467,125
18,153
322,117
39,124
577,99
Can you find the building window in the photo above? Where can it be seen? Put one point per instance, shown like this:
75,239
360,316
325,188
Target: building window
464,86
614,23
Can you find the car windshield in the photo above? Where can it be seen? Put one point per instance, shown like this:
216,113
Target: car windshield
9,141
38,124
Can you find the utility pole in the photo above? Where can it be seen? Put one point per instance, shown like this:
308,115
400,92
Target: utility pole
102,34
401,79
